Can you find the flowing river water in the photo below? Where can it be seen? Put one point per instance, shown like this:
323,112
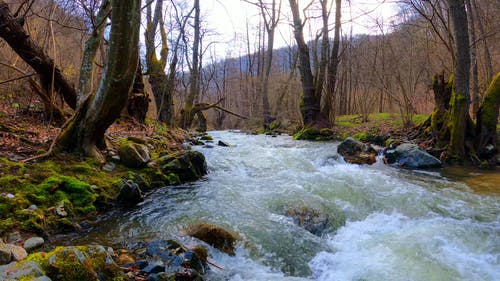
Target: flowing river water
399,224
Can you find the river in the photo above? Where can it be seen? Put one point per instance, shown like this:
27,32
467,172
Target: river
399,224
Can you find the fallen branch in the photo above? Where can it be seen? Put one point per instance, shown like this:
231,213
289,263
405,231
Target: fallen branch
230,112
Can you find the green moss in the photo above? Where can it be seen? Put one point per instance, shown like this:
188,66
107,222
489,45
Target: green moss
361,136
27,278
489,105
58,189
307,133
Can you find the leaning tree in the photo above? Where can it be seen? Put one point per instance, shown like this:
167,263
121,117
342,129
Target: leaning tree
98,110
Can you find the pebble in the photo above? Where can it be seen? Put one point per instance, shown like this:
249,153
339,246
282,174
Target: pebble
5,254
32,208
109,167
18,253
13,237
33,243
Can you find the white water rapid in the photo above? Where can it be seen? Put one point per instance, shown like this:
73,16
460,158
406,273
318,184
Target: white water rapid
399,224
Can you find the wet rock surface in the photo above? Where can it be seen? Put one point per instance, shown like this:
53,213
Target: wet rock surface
356,152
214,235
411,156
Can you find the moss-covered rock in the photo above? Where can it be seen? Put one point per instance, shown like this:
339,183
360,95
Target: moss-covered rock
187,165
77,263
356,152
134,155
214,235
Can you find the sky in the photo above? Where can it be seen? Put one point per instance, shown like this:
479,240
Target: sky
228,19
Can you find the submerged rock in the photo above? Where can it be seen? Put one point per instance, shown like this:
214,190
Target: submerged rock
310,219
356,152
215,236
411,156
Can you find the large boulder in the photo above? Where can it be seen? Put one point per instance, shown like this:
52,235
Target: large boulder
411,156
187,165
134,155
356,152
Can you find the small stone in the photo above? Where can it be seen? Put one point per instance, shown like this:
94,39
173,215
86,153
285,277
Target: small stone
10,195
153,268
115,158
5,254
13,237
94,187
109,167
18,253
33,243
32,208
60,210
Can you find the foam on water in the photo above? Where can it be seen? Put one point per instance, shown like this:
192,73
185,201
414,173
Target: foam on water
400,225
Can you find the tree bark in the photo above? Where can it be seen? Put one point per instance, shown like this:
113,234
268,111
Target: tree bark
19,40
460,99
86,131
194,77
310,103
138,100
333,64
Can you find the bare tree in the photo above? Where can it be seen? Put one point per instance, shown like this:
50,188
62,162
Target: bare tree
85,132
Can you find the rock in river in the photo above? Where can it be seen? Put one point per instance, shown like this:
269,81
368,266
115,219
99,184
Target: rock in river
356,152
411,156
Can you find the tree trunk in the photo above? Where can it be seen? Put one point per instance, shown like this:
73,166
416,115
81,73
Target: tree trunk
194,77
459,110
487,120
86,131
473,53
310,103
86,81
19,40
333,64
138,100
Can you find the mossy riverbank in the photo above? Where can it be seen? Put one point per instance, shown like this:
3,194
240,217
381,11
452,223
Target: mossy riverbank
57,194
